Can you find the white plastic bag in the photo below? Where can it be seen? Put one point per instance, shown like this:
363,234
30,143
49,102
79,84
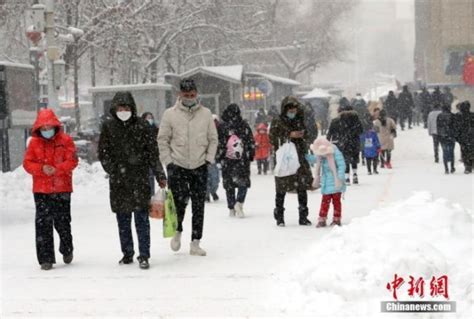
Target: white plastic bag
287,160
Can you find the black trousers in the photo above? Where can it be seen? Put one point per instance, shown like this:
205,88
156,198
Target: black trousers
302,201
52,211
189,184
372,162
436,146
262,164
351,162
466,155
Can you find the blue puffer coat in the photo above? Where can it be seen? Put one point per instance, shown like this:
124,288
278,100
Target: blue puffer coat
327,178
371,143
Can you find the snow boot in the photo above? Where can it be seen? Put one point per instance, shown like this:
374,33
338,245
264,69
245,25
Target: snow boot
68,258
239,210
304,221
175,243
143,262
231,212
215,197
321,222
195,249
46,266
348,181
336,222
278,215
453,170
355,179
126,260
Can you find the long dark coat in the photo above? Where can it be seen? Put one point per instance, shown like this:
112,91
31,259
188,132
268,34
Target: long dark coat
405,103
127,152
280,130
235,172
464,125
345,131
390,105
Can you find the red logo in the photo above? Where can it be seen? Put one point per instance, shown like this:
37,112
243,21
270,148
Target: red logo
416,286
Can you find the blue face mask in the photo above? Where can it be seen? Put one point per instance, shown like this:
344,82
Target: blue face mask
291,115
151,121
48,133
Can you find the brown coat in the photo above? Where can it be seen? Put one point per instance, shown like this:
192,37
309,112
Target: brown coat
280,130
386,133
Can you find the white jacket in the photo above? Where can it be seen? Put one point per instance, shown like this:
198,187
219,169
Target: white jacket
431,122
187,136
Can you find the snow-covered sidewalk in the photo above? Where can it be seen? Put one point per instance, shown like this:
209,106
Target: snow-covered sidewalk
253,268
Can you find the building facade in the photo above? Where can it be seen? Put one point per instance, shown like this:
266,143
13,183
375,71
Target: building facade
444,32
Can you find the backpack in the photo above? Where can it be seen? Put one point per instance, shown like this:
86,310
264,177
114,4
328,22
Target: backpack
235,148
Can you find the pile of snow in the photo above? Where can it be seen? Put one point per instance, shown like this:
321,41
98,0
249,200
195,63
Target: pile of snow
346,273
17,204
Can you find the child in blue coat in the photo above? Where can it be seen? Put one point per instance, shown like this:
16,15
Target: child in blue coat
330,169
372,148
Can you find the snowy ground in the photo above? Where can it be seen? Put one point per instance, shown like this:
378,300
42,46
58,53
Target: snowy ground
253,268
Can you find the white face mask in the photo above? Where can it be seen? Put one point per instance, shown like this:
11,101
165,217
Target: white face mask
124,115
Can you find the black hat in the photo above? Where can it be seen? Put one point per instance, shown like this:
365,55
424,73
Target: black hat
187,85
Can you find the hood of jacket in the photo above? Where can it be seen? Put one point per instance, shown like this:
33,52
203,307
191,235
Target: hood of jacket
124,98
232,114
45,117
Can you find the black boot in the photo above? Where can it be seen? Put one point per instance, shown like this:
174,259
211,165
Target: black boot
126,260
215,197
304,221
68,258
278,214
143,262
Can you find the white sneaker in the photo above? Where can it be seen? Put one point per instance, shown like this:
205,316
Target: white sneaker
239,210
231,212
196,250
175,243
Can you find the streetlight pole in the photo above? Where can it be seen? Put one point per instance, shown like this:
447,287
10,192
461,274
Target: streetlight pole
52,55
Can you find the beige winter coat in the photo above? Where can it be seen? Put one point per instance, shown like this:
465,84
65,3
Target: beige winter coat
385,133
187,137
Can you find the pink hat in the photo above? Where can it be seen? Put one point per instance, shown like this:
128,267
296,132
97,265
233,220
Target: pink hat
322,147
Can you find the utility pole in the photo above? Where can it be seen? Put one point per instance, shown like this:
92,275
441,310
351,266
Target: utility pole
52,55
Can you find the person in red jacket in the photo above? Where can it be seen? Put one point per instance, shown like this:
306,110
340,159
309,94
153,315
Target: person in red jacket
262,148
51,158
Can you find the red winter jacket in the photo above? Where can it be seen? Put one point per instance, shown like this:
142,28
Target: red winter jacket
59,152
262,143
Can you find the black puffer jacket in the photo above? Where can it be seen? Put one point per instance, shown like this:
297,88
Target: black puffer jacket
445,125
345,131
464,126
391,106
235,172
127,150
280,130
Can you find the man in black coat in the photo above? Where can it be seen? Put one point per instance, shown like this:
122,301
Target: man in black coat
445,126
426,105
464,126
405,107
235,157
391,106
345,131
127,151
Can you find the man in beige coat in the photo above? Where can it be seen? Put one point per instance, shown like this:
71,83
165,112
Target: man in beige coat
188,143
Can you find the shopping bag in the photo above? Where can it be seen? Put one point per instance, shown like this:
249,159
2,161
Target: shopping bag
287,162
157,205
170,222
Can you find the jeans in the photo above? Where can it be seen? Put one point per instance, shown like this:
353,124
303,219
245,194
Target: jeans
213,179
52,210
185,184
142,226
448,153
241,194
